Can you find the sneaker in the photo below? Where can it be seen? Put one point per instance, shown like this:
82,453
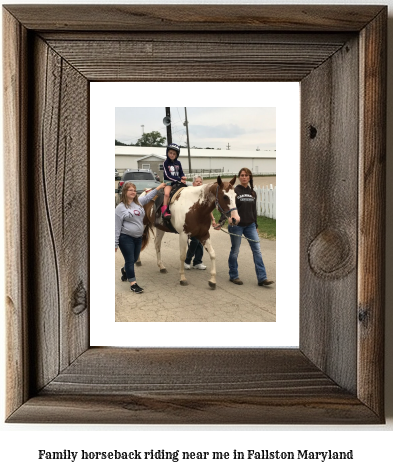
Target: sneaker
236,281
136,288
265,283
187,266
123,275
200,266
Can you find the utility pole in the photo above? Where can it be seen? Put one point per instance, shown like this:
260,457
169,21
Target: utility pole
228,147
188,141
169,126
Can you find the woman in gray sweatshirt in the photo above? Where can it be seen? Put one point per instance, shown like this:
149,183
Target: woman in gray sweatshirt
129,228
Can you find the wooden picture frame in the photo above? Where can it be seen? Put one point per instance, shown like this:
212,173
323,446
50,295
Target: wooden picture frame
338,54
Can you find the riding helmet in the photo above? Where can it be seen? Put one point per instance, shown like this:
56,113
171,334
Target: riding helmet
175,147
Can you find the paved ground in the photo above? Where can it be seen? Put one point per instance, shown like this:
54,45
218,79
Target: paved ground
164,299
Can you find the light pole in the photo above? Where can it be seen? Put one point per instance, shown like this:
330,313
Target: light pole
188,141
168,125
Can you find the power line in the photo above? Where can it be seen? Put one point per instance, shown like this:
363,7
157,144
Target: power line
178,113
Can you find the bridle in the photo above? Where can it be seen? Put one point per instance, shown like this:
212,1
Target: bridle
226,214
223,213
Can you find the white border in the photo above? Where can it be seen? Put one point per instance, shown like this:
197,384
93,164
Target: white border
104,331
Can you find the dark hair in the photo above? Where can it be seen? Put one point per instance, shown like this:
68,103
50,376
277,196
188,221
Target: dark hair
249,173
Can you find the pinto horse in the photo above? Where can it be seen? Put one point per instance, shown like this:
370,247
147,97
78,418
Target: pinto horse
190,216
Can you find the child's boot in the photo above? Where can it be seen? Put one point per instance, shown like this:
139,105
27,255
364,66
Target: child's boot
165,212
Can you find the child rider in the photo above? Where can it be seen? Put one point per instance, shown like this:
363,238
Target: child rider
173,173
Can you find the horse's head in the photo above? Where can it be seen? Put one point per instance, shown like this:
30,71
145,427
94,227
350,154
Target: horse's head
226,201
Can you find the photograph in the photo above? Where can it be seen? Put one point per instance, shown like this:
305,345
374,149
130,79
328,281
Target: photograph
195,214
248,396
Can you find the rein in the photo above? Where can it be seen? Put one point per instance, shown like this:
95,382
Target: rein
242,236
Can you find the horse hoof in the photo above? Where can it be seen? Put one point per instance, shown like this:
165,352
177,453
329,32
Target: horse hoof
163,270
183,282
138,264
212,285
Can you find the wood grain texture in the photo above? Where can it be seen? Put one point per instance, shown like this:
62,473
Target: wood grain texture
14,61
372,199
191,18
202,37
194,409
152,60
335,375
193,386
329,174
60,115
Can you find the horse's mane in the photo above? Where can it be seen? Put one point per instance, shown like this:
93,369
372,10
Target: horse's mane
227,185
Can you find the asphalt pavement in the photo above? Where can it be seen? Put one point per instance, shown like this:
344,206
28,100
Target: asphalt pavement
165,300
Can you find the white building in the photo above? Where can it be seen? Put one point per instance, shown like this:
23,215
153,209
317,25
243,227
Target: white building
226,161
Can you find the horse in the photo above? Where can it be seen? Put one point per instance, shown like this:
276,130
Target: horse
190,216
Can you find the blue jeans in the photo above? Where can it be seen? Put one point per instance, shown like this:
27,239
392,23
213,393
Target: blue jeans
195,249
130,247
250,232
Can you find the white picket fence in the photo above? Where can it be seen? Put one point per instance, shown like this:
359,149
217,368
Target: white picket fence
266,201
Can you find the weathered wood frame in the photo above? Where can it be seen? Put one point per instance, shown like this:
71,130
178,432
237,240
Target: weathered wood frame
338,54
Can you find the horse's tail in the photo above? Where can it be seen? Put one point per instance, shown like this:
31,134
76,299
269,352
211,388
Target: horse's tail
148,221
146,236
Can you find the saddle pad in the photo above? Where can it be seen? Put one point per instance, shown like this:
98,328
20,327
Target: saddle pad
176,194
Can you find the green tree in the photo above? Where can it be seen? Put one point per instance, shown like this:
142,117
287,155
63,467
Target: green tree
117,143
151,139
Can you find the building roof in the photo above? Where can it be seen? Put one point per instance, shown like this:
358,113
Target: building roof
152,156
194,152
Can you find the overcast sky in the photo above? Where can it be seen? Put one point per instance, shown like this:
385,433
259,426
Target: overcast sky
243,128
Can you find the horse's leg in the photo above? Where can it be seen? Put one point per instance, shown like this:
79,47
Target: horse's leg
157,243
183,238
208,246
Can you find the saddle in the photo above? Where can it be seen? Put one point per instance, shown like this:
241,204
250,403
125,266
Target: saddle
159,200
175,193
